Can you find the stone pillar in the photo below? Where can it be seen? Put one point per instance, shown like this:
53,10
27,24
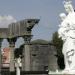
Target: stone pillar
12,46
0,54
26,54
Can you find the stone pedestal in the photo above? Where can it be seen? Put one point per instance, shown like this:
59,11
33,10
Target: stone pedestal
26,58
12,61
26,55
0,54
11,58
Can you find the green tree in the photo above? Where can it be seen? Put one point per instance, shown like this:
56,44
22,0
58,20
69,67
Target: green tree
58,43
39,41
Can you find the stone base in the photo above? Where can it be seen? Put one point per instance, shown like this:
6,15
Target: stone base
64,72
68,71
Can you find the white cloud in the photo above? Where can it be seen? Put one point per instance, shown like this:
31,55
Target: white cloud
6,20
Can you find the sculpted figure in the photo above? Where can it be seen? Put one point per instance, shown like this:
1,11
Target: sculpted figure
67,33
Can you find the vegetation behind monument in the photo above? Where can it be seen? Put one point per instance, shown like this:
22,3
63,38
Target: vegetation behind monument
58,43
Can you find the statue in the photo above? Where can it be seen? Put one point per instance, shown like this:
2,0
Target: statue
67,33
18,65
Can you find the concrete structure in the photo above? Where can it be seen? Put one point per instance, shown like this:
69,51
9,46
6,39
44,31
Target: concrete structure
43,57
23,29
0,54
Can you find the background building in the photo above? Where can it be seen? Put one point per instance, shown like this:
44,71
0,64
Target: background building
43,56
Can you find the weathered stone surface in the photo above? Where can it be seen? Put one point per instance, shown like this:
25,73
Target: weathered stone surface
4,32
26,59
43,57
0,54
19,28
22,27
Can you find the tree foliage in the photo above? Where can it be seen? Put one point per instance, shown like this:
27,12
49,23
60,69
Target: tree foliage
39,41
58,43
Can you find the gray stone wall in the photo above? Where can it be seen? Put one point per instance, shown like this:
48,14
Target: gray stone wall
43,57
3,32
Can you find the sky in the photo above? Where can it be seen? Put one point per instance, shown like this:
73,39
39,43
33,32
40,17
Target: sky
46,10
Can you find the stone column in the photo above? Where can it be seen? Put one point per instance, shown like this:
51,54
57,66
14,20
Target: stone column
26,54
0,54
12,46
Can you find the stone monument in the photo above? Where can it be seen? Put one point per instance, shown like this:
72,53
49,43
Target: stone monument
67,33
23,29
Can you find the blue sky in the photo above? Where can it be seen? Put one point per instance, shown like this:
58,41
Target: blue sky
46,10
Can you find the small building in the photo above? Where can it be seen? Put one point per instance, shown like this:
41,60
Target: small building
43,56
